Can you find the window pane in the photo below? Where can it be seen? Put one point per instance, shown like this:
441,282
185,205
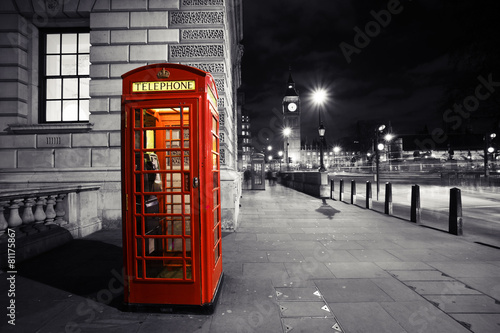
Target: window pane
53,65
53,111
84,88
53,88
84,43
83,64
68,43
69,65
70,111
53,43
84,110
70,88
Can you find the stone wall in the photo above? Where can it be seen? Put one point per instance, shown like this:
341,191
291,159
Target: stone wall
124,35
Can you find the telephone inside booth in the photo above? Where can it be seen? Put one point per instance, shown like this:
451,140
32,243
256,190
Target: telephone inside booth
171,187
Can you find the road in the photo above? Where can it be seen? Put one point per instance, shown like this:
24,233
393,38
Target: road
480,209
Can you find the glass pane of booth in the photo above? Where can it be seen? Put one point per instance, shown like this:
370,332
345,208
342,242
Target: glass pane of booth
162,193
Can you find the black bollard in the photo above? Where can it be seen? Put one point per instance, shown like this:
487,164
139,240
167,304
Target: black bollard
332,188
368,195
341,190
388,199
353,192
455,221
415,204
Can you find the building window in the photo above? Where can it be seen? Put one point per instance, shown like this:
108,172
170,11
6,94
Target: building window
65,76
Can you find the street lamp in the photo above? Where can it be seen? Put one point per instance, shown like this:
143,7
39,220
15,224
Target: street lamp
321,131
378,146
286,132
388,137
280,154
319,98
488,149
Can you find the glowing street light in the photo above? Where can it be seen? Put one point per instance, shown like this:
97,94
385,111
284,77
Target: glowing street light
319,97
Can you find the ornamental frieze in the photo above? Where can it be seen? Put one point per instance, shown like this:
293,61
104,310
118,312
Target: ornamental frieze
219,83
197,51
203,2
214,68
197,17
200,34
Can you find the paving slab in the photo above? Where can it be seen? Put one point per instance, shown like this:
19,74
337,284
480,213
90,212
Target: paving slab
364,317
356,270
487,285
465,304
467,269
441,288
351,291
304,309
420,316
480,323
308,325
298,294
424,275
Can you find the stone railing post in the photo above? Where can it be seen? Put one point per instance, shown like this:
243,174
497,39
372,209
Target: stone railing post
60,212
14,217
49,211
3,221
39,214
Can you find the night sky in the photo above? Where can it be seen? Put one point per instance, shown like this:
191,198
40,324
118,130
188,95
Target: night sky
405,62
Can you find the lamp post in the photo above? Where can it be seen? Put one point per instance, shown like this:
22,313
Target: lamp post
388,137
286,133
488,149
280,154
319,98
321,131
378,146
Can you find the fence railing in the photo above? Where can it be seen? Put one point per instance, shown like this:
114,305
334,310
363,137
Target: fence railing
32,211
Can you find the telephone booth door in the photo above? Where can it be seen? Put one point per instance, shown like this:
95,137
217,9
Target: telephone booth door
171,190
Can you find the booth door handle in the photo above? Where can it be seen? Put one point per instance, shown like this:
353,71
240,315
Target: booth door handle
196,182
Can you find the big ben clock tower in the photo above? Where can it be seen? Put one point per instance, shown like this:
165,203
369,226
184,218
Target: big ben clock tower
291,122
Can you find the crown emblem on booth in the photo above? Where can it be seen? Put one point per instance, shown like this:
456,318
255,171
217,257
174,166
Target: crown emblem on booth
163,74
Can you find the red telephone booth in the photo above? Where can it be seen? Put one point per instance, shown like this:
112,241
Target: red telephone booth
171,187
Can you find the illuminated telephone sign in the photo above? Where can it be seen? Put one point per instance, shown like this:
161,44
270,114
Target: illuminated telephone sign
171,188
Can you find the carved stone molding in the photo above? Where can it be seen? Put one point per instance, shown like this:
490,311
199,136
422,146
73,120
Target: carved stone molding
203,2
219,83
214,68
196,17
197,51
202,34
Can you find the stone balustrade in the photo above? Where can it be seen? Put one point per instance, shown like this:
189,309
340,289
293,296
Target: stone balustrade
44,218
32,211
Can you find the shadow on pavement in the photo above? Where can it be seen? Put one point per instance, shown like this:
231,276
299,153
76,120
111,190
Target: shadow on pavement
88,268
328,211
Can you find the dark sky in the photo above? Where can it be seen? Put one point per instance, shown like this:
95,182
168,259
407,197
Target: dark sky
403,74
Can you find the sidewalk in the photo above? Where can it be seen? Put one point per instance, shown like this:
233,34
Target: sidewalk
293,265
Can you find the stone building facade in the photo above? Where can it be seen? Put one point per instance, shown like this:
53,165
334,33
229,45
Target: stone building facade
60,102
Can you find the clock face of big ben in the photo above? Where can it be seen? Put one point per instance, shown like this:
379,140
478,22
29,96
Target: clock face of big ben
292,107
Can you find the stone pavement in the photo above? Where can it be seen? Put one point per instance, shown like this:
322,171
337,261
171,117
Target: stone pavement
293,265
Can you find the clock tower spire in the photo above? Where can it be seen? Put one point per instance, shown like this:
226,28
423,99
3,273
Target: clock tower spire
291,122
